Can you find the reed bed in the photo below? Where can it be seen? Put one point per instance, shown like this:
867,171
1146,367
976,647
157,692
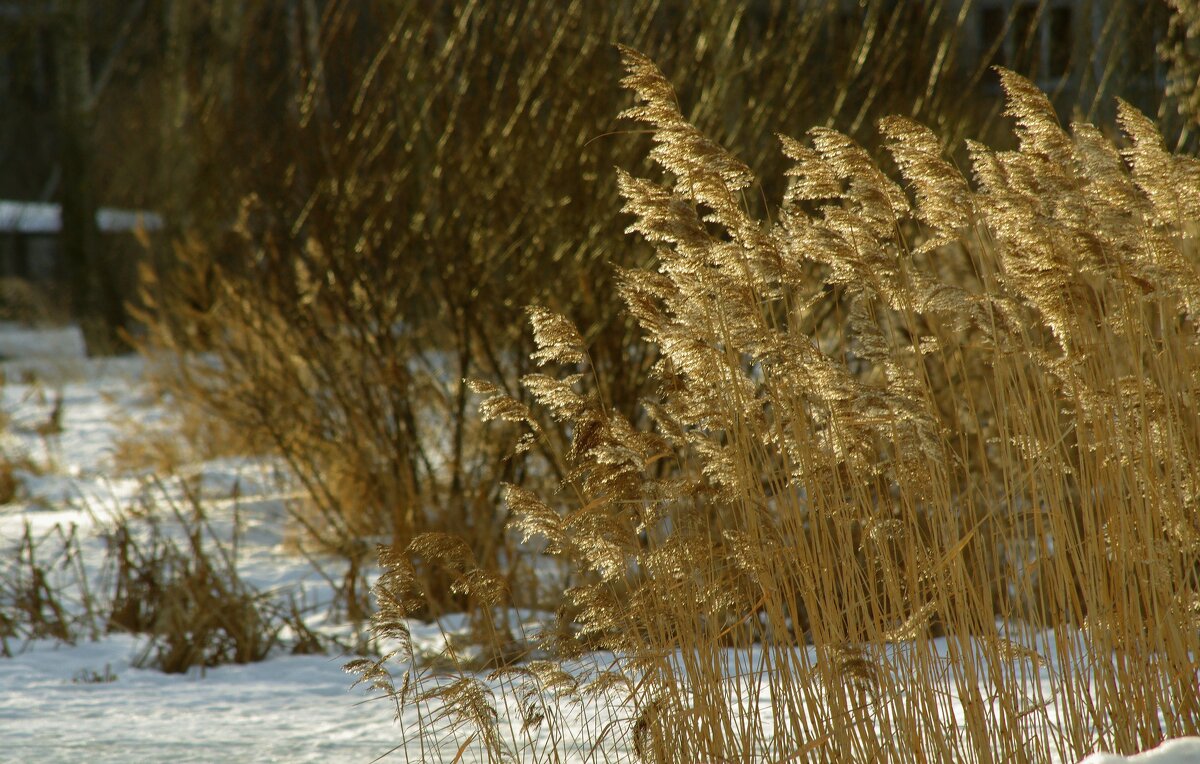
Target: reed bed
875,458
344,278
919,480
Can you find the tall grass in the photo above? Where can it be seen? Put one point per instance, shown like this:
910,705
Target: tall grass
921,436
346,277
909,456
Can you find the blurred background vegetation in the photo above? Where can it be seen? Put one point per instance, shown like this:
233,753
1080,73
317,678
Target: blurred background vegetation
186,108
360,197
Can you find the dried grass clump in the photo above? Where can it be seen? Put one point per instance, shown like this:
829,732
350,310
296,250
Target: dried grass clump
170,578
913,432
12,467
44,592
186,595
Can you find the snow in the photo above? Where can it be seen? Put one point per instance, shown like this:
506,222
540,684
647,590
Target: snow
294,708
54,704
64,344
1182,751
91,702
46,218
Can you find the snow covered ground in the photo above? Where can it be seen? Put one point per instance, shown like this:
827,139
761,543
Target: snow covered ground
90,702
56,706
1183,751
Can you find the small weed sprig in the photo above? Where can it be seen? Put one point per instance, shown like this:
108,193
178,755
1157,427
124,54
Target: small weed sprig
44,593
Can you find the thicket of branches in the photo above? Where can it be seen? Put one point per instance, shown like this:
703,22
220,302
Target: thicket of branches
350,273
434,168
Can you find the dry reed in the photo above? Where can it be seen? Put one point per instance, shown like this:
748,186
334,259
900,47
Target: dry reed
385,247
917,438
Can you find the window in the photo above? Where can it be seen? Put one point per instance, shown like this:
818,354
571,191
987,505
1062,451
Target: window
992,22
1033,38
847,29
1147,27
1026,40
1061,42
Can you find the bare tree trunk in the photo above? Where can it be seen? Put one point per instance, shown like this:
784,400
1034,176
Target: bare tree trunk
295,44
79,264
177,165
315,96
228,17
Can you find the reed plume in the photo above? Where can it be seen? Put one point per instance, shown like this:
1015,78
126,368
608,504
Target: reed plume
910,433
